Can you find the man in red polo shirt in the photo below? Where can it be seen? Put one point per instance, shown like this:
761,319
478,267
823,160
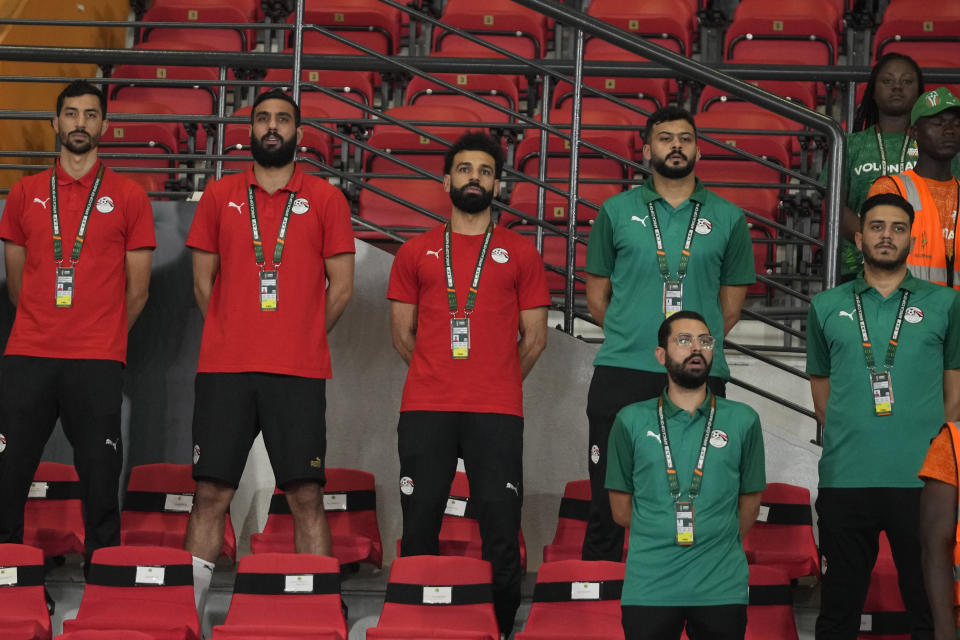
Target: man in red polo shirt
264,357
78,242
460,295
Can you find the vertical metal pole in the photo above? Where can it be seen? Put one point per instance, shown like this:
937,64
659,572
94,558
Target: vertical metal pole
542,171
574,180
221,113
851,105
297,51
834,189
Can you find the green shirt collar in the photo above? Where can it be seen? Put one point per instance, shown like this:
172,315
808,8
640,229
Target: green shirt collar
648,194
909,283
670,409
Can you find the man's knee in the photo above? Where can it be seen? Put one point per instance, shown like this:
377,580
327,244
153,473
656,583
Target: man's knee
212,497
305,498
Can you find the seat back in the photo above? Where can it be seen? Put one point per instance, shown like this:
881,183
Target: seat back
53,515
884,615
770,612
500,22
22,604
366,22
571,523
783,534
501,90
225,39
413,147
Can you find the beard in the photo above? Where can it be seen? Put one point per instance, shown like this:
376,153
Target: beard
471,202
273,158
670,171
688,379
79,148
886,264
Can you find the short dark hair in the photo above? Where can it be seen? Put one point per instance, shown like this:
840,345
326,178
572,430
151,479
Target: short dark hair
276,94
664,333
891,199
668,113
475,141
79,88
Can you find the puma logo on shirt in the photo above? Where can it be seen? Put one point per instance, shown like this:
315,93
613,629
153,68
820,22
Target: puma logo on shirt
238,207
654,435
849,314
43,203
435,254
642,220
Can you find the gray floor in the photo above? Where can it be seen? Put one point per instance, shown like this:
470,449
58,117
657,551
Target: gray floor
362,592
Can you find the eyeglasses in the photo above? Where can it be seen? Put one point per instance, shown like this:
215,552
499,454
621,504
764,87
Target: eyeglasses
705,341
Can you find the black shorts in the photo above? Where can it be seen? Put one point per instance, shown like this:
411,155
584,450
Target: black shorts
231,408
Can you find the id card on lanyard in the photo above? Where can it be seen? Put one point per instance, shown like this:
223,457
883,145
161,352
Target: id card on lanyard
268,279
673,287
881,382
65,277
683,509
460,327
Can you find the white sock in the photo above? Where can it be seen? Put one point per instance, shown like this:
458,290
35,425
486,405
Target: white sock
202,575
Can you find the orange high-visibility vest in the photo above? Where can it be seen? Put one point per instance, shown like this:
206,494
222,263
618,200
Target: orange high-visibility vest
928,259
955,439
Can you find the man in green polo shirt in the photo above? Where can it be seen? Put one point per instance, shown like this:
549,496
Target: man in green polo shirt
706,266
685,473
883,354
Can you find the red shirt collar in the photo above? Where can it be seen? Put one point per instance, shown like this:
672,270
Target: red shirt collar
294,184
64,178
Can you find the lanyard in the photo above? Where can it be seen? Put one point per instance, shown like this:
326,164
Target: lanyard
685,254
55,217
892,346
255,228
448,267
883,153
697,479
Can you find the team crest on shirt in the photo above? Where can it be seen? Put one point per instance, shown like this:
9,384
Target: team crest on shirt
500,255
595,454
718,439
196,453
105,204
300,206
704,226
3,443
913,315
406,485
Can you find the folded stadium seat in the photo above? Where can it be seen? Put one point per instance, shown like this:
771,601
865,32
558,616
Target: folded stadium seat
592,163
410,146
501,22
201,11
805,93
770,612
668,23
286,595
124,634
315,142
252,9
350,502
594,120
501,90
23,609
53,516
464,49
884,615
157,506
147,589
574,505
576,600
919,29
776,148
400,218
555,254
437,597
368,22
762,202
556,206
147,137
783,534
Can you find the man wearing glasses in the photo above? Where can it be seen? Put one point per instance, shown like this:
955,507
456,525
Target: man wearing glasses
685,474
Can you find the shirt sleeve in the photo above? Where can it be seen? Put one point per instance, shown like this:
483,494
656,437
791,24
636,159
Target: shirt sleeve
205,229
738,267
10,228
532,291
940,463
404,285
620,457
139,212
951,341
601,254
818,352
753,475
883,184
337,227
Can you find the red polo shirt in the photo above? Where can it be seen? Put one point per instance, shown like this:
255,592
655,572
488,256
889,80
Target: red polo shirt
237,335
513,279
95,327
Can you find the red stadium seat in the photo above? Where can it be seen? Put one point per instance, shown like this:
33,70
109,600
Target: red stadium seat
23,609
252,9
201,11
285,594
147,137
53,516
500,22
774,147
785,32
555,255
422,151
367,22
919,29
315,142
556,206
387,213
576,600
571,524
884,615
157,506
437,597
147,589
770,612
350,502
783,534
501,90
664,22
124,634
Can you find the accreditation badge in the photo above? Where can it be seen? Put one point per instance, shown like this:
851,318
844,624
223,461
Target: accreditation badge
672,297
460,338
268,290
882,393
64,293
684,512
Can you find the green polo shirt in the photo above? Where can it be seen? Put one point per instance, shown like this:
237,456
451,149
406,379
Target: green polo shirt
623,248
713,571
861,449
